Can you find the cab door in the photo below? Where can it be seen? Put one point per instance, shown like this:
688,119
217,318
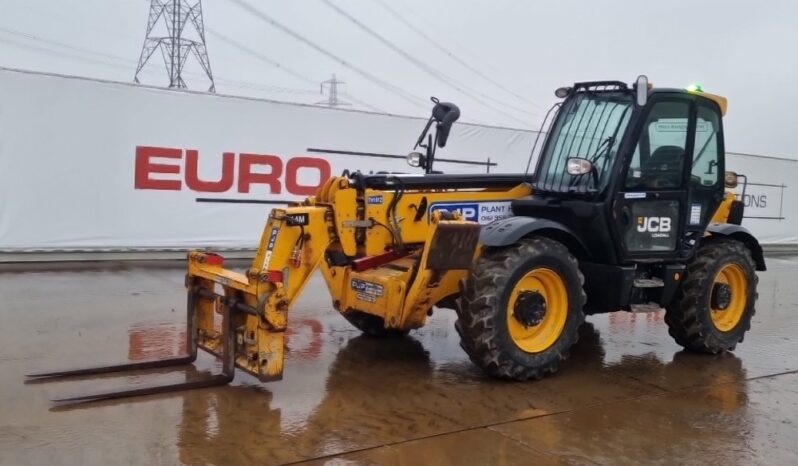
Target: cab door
651,202
705,183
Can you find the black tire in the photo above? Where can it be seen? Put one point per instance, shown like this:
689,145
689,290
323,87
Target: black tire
372,325
689,315
483,304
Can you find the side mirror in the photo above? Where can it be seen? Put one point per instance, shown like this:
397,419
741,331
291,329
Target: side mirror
415,159
730,180
578,166
445,114
641,90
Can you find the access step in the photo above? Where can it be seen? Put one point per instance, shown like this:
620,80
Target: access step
648,283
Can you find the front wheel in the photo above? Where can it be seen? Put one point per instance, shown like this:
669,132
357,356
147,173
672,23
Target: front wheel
715,303
520,309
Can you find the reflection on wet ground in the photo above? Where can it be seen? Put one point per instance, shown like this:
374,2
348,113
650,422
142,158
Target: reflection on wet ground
628,395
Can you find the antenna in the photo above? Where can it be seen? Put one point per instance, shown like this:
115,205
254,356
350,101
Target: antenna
174,47
332,97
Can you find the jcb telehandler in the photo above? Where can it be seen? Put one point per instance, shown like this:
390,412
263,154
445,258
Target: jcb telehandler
626,208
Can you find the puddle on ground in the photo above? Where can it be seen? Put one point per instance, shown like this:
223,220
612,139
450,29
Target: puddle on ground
627,395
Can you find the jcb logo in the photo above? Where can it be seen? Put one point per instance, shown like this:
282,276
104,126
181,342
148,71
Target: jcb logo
654,224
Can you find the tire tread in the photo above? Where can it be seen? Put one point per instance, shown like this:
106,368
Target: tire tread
684,315
479,305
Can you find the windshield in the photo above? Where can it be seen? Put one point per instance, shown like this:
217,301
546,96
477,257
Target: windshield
590,125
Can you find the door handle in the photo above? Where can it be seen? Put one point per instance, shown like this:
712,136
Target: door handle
626,216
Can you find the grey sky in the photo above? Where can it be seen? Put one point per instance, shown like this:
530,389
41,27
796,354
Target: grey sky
743,50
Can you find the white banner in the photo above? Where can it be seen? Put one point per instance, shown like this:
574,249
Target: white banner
93,165
771,201
86,164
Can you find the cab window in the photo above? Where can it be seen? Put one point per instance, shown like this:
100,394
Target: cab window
707,149
658,160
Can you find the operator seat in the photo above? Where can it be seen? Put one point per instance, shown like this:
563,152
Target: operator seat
664,168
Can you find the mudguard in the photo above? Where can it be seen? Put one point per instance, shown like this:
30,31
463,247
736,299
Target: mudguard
510,230
741,234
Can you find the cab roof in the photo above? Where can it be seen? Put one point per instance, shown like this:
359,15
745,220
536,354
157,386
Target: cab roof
605,86
718,99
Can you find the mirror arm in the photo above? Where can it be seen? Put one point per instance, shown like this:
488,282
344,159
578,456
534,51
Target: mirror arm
430,154
745,184
423,133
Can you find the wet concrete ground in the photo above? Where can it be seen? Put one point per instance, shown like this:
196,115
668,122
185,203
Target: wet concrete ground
628,395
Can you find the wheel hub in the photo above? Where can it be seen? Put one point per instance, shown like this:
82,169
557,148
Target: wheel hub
530,308
721,296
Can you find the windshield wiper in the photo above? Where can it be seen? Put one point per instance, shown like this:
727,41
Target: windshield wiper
602,148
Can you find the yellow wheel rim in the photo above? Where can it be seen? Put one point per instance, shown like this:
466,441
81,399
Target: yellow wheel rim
539,337
728,317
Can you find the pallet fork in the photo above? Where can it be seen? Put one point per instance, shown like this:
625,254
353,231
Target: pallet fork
225,377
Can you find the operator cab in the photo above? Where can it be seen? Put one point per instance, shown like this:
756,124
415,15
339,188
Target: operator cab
637,167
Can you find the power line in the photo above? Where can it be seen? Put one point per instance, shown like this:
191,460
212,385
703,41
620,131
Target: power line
260,56
280,66
450,54
397,91
264,87
40,49
430,24
60,54
448,80
127,63
62,45
364,104
218,79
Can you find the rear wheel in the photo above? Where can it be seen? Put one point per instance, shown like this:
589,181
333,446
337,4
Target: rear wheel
715,304
520,309
371,325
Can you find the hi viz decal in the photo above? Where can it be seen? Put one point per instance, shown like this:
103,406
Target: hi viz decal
659,227
475,211
270,247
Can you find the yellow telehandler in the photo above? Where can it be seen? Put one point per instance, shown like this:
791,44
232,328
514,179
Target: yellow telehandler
626,208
